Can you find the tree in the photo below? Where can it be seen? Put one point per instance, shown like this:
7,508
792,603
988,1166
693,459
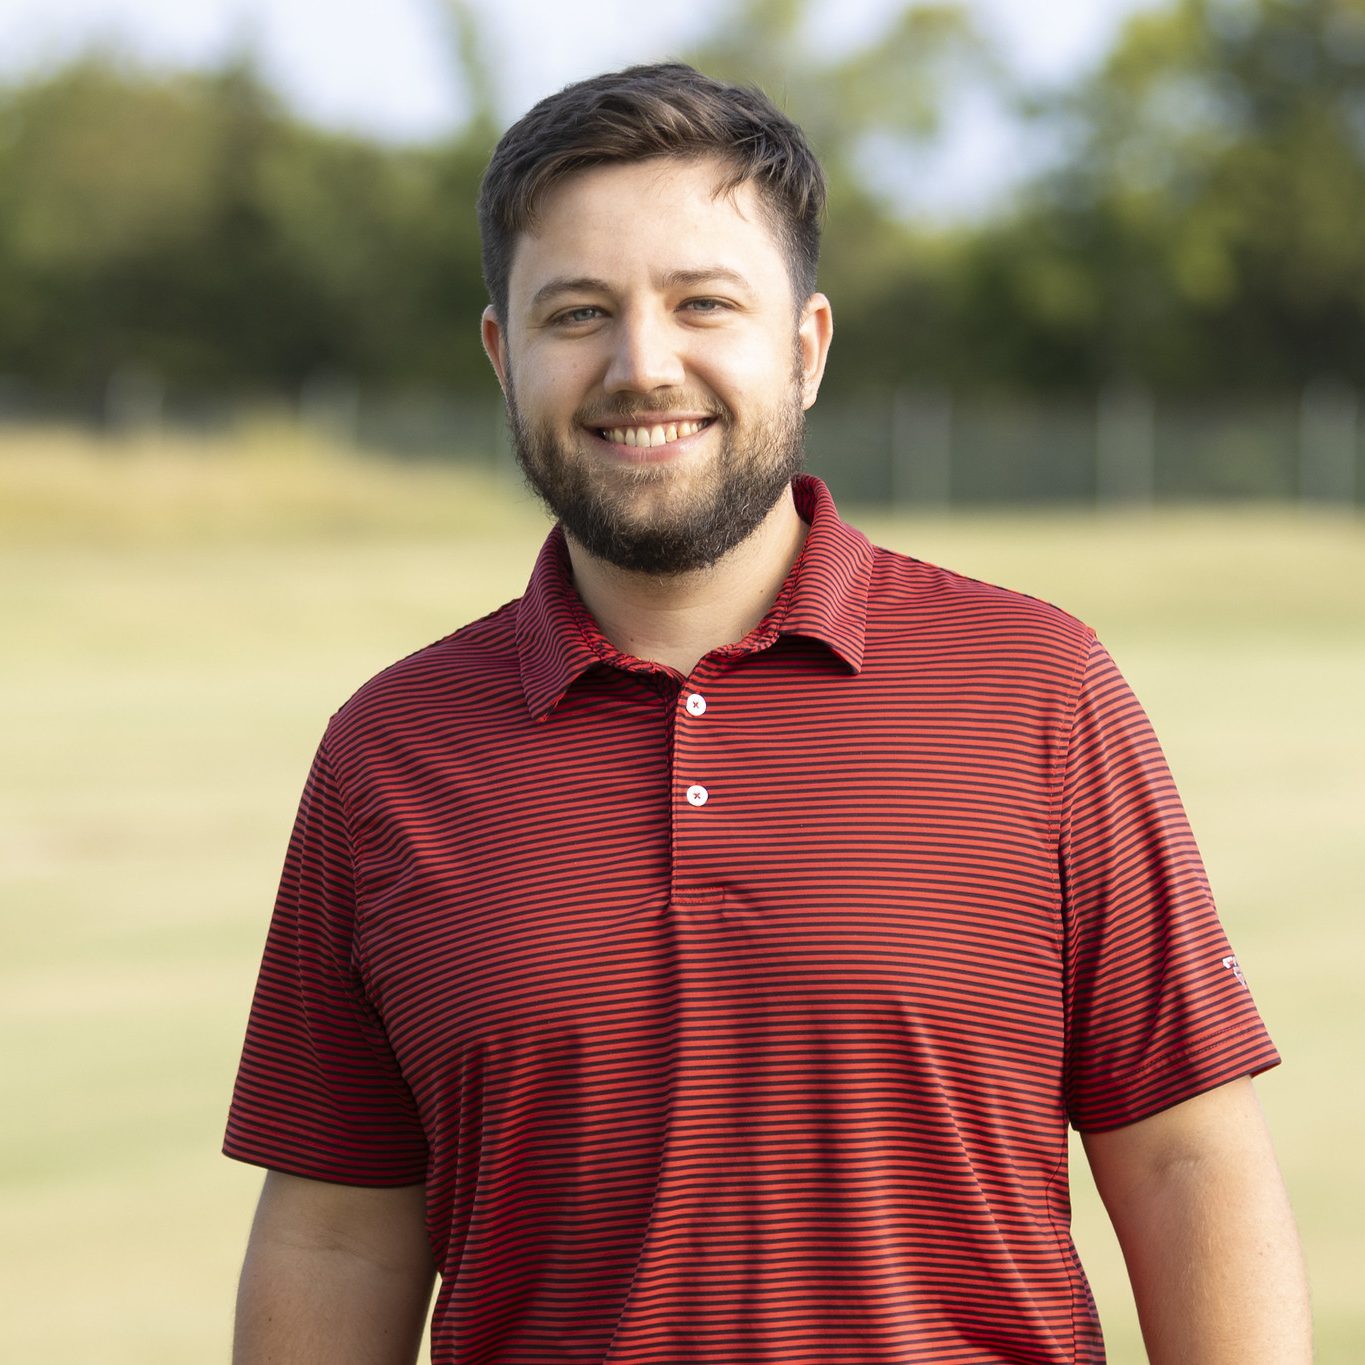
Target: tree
1204,230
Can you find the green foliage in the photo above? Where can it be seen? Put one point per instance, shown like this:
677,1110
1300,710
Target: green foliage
1197,228
1204,231
892,86
189,224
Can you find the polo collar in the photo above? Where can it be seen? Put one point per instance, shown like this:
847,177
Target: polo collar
824,598
830,579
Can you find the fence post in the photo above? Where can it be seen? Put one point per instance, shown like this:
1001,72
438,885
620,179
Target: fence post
329,404
1329,440
1125,446
921,447
134,400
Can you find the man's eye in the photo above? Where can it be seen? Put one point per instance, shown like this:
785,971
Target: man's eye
587,313
705,305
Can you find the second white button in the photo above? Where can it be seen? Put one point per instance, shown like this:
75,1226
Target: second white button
697,796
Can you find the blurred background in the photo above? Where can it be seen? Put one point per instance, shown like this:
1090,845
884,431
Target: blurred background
1098,272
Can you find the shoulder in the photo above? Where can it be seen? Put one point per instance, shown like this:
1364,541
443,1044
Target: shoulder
937,604
479,659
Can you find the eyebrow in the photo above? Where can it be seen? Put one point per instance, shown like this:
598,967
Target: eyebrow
579,284
675,279
681,279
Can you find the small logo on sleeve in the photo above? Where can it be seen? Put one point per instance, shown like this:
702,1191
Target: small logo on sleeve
1234,967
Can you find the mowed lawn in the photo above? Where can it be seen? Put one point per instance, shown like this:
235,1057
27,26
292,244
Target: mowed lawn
178,621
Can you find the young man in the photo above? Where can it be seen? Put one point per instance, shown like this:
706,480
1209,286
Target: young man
700,958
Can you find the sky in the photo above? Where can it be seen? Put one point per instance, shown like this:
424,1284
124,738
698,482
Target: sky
383,67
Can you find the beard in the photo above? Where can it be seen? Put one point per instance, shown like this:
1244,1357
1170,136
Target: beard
675,530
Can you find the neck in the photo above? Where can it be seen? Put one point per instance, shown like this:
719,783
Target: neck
677,619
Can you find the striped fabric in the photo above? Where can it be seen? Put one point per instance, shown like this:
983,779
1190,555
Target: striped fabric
740,1018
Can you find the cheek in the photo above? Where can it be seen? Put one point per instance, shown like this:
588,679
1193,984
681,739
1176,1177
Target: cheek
543,395
747,371
553,382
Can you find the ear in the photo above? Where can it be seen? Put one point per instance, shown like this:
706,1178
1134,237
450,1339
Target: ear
495,344
814,333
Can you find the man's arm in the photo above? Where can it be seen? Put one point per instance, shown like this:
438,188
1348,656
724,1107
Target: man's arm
334,1275
1200,1209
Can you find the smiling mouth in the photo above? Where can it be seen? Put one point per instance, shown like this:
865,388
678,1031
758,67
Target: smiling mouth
659,434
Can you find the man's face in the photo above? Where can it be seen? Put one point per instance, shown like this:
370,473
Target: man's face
656,369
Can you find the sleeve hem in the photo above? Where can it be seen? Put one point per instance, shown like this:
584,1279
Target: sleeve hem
1180,1084
314,1170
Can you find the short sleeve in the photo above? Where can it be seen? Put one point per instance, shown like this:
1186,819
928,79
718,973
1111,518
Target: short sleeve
1157,1009
319,1092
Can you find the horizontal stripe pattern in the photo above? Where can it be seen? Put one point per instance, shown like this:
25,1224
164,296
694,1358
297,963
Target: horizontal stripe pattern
781,1074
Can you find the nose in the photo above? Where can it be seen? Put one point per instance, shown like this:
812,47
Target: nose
644,355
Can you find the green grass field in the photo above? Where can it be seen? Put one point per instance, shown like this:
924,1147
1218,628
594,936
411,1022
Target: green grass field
178,622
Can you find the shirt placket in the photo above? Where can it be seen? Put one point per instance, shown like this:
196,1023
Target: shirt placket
698,797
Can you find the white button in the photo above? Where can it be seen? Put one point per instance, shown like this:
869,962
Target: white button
696,704
697,796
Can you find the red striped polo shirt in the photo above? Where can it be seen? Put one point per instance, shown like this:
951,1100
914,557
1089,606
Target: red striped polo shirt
740,1017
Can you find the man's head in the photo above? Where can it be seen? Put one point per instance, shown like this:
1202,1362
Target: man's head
650,243
640,114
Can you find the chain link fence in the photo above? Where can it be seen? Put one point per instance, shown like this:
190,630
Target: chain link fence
913,447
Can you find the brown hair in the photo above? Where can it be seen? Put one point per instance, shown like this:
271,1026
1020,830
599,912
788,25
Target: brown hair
651,111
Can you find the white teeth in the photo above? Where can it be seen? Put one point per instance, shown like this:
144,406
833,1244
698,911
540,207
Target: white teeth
652,436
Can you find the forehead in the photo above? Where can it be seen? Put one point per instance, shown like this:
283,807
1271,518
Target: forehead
625,221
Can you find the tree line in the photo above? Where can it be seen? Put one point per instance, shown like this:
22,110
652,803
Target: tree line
1195,229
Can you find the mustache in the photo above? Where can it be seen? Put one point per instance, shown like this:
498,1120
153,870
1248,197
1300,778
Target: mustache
626,410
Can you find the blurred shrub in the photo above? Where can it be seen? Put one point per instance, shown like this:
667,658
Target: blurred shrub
189,225
1196,228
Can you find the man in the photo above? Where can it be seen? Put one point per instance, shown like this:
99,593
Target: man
700,958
